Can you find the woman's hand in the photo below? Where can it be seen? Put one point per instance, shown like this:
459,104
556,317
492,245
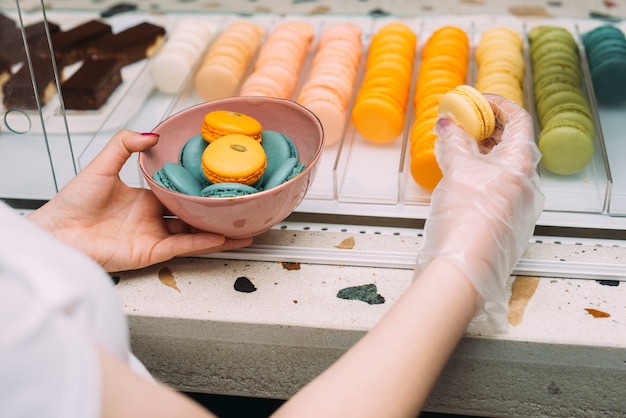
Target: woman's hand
118,226
484,209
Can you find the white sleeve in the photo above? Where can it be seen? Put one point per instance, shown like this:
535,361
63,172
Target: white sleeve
49,367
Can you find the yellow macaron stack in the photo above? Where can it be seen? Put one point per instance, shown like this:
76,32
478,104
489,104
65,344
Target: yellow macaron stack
379,110
500,62
328,88
444,65
280,61
227,59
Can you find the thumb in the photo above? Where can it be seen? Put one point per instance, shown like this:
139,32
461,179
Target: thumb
118,150
452,143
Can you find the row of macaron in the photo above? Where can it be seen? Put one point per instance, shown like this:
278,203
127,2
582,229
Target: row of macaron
390,64
231,155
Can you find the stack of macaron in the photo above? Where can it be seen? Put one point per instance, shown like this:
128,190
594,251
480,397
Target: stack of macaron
227,60
175,61
328,88
499,58
444,65
562,108
605,47
231,156
379,109
280,60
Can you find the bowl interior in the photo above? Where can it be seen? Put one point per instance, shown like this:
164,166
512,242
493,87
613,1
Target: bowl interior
280,115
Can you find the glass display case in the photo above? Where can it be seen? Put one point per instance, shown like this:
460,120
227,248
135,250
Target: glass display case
42,148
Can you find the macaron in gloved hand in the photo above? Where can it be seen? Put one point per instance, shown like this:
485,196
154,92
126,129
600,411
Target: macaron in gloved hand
485,207
468,108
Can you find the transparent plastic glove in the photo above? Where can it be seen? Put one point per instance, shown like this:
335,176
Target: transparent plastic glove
484,209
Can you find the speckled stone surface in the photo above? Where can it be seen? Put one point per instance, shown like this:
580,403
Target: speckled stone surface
565,352
564,355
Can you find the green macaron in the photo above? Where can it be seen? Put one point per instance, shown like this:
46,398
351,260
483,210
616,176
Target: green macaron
566,147
571,111
558,94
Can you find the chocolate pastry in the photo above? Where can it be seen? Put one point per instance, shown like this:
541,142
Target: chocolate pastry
13,44
5,71
130,45
18,90
71,46
92,84
10,40
6,24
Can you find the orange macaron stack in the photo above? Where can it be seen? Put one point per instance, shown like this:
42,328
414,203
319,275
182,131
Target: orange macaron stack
280,61
380,105
329,85
227,59
500,62
444,65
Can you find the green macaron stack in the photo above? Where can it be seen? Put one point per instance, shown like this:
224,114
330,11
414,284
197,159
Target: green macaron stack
562,107
605,47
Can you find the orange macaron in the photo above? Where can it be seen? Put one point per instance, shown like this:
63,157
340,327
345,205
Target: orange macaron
444,65
234,158
379,110
219,123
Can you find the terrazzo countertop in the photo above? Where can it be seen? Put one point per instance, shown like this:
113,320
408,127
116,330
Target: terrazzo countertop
565,352
195,328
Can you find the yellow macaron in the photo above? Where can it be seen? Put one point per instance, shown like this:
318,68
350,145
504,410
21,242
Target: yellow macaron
223,122
468,108
234,158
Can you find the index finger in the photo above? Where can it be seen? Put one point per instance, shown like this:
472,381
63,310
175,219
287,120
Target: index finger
517,145
118,150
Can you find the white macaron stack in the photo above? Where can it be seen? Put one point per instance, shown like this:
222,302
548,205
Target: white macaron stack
176,60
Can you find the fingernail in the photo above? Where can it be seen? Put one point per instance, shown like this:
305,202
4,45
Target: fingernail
443,122
149,134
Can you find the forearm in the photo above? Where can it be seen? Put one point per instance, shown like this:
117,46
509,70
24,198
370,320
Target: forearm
392,369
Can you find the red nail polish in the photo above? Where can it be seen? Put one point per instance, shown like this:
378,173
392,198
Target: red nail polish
149,134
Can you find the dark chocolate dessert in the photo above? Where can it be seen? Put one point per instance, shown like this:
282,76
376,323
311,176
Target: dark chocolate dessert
130,45
18,90
71,46
92,84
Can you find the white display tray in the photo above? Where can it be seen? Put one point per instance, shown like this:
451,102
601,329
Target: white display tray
357,177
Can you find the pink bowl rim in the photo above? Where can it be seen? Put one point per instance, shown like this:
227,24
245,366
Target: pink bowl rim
309,167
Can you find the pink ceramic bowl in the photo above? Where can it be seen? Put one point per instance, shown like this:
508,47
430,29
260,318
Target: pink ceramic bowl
242,216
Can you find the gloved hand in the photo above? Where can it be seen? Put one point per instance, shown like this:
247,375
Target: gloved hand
484,209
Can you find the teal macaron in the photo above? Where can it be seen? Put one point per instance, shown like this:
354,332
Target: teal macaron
228,189
281,174
278,148
177,178
190,157
605,47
